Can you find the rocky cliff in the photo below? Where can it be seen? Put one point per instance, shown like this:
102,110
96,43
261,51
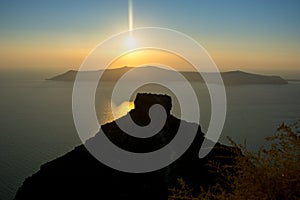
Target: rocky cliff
78,174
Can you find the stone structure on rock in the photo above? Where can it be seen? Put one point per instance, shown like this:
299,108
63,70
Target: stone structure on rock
77,174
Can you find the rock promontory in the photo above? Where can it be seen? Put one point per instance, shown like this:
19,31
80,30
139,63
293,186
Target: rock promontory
78,174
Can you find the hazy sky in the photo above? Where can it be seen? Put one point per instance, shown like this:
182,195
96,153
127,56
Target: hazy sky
257,36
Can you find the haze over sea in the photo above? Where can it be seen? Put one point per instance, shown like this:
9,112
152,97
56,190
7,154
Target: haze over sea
37,124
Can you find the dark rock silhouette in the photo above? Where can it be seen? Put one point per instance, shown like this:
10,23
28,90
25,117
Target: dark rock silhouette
229,78
78,174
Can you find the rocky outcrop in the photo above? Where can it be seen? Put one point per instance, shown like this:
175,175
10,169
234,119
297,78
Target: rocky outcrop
78,174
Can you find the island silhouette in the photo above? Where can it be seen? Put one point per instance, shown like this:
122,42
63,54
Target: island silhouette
77,174
229,78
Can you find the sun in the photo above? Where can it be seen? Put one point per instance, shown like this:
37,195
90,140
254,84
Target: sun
130,42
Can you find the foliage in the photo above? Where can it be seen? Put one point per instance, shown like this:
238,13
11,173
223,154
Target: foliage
270,173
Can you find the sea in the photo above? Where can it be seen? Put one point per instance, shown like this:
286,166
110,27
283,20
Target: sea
37,123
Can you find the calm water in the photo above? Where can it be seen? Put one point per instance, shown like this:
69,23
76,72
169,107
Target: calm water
37,125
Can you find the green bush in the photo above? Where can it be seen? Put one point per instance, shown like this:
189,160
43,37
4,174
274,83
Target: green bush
270,173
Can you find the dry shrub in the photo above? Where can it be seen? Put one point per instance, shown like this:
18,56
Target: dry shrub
270,173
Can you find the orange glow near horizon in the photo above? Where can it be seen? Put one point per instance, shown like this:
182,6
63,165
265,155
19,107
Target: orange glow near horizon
151,57
42,58
62,59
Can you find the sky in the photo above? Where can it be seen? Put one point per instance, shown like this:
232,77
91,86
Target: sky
255,36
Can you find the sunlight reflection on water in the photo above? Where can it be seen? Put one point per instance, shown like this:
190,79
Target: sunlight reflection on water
119,111
122,109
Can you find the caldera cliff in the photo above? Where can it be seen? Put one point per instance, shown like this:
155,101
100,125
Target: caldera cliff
77,174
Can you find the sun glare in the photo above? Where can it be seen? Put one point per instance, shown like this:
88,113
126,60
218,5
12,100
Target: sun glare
130,42
130,15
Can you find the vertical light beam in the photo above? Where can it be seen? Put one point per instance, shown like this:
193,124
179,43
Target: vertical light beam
130,15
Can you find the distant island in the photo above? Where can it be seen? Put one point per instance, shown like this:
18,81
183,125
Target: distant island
229,78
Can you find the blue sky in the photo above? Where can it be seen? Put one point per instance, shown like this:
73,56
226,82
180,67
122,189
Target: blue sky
238,34
189,16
